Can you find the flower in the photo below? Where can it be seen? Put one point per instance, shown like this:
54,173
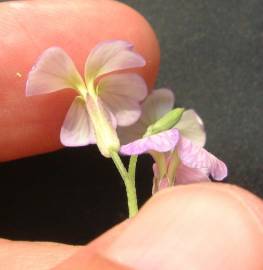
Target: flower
178,152
106,99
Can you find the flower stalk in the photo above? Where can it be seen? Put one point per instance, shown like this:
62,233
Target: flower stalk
132,167
129,184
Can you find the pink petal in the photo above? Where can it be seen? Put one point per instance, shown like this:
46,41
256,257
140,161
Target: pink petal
53,71
155,178
157,104
164,183
111,56
77,129
191,127
186,175
122,93
194,156
161,142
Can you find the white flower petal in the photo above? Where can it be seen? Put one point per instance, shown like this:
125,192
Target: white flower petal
111,56
131,133
53,71
194,156
157,104
122,94
77,129
191,126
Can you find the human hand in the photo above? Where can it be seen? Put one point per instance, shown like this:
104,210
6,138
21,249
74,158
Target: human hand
205,226
199,226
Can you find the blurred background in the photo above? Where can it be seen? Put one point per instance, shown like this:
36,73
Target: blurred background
212,57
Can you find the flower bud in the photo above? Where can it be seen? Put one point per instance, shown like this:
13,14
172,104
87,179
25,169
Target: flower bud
168,121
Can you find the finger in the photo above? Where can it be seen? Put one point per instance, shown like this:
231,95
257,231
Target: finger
201,227
18,255
15,255
32,125
93,262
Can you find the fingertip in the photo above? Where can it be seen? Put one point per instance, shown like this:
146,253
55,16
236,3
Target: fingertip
207,226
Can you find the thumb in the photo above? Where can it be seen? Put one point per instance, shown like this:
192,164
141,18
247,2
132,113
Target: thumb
200,226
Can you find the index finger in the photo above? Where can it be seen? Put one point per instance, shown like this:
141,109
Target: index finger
32,125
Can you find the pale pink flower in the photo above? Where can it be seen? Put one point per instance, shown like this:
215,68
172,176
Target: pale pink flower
105,98
178,152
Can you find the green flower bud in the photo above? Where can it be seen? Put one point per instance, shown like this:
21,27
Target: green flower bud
168,121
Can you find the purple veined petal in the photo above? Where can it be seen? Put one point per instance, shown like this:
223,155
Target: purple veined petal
77,129
111,56
187,175
156,105
53,71
191,127
122,94
161,142
194,156
219,169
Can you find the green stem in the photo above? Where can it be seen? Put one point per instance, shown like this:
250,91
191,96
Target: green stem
129,184
132,167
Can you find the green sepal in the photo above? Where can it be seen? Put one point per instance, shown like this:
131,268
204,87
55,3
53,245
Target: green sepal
168,121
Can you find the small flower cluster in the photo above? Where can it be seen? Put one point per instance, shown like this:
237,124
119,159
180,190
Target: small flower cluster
175,139
112,110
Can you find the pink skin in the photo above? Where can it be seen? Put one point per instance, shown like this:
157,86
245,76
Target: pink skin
226,233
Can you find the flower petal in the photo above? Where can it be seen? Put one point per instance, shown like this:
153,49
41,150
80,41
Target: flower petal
161,142
186,175
164,183
77,129
131,133
191,126
156,178
194,156
53,71
111,56
156,105
122,94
